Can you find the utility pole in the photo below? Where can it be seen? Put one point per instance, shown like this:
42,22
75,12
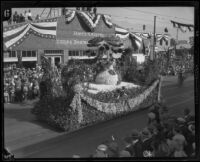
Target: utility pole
177,34
154,32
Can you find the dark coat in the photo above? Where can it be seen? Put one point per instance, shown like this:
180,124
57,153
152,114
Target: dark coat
147,145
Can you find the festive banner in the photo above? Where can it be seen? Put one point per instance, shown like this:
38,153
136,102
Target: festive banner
90,21
70,16
183,27
15,34
107,20
143,35
121,33
165,37
138,39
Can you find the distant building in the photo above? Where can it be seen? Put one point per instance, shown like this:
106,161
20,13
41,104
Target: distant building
59,39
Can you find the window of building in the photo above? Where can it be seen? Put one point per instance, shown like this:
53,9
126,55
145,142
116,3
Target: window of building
23,53
12,54
28,53
53,51
33,54
83,53
167,43
70,53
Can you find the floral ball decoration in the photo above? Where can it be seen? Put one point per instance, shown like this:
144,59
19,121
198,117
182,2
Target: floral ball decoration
77,88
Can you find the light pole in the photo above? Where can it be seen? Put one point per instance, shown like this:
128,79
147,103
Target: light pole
154,32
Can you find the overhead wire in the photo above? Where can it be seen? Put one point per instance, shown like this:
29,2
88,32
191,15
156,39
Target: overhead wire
147,12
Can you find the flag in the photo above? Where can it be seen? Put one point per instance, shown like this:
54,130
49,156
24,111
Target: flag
182,27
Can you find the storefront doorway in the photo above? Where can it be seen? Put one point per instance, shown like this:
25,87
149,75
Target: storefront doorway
54,60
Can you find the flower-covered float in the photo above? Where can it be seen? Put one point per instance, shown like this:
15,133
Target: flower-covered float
107,87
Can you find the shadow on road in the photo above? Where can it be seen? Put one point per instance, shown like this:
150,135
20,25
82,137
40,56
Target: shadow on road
22,113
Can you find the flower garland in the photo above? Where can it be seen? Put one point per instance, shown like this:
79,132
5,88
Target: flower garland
116,107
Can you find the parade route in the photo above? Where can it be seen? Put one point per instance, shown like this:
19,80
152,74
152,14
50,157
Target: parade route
26,137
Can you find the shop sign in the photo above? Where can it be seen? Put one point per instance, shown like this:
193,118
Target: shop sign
90,34
71,42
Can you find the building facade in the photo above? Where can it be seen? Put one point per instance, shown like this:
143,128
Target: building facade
59,39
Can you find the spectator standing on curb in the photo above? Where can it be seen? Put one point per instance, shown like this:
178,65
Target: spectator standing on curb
137,143
29,15
37,17
21,18
101,151
25,15
15,17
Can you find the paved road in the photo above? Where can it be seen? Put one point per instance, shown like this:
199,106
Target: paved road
83,142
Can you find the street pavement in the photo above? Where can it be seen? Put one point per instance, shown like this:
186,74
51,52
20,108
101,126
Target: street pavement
48,143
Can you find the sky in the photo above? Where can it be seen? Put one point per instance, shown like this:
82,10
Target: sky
135,17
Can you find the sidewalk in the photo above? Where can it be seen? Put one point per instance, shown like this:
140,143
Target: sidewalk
21,128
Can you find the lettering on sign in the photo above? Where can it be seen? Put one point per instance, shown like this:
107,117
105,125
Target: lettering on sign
71,42
84,34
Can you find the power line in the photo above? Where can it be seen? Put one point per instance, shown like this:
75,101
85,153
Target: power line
133,18
155,13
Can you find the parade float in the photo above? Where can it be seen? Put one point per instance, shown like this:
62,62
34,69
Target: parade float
96,92
109,86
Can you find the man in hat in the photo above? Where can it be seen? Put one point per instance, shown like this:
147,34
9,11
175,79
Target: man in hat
18,89
187,114
101,151
137,143
146,141
179,138
124,153
113,149
129,145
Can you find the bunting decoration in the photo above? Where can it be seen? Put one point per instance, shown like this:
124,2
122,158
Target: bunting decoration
143,35
183,27
121,33
138,39
107,20
70,16
165,37
90,20
16,34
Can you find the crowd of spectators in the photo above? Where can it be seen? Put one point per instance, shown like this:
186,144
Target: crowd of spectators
22,17
21,84
164,136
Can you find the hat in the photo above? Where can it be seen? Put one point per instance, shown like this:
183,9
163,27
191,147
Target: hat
102,147
151,115
128,140
135,134
191,122
145,132
191,127
124,153
181,120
